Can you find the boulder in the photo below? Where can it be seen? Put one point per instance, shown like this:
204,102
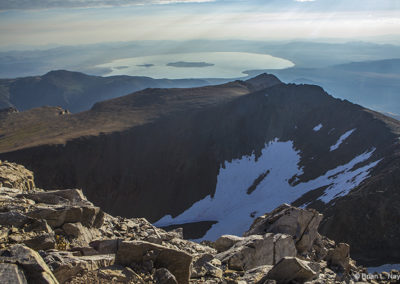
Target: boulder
65,265
92,216
84,250
41,242
302,224
176,261
56,216
72,195
31,262
82,235
163,276
339,257
16,176
15,238
11,274
15,219
321,246
205,266
94,262
176,233
225,242
4,234
119,274
256,274
106,246
257,250
73,229
66,196
191,247
133,276
38,226
45,197
113,274
73,214
291,269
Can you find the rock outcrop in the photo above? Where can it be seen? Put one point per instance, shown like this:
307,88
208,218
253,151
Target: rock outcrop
256,250
149,255
291,269
15,176
302,225
58,236
27,265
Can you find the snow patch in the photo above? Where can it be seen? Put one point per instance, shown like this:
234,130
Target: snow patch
382,268
346,178
318,127
232,207
341,139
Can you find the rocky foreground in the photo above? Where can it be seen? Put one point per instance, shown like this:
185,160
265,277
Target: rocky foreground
58,236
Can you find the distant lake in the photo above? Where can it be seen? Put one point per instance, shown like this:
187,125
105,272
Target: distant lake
195,65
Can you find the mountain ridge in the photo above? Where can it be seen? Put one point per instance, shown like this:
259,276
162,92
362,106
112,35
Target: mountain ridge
373,84
77,91
104,116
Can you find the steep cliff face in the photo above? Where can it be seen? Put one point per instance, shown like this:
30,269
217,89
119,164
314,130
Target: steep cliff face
223,155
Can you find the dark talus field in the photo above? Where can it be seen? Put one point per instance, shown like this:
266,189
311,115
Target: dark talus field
222,155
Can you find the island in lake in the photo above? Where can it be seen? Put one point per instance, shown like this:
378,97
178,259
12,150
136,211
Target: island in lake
121,67
184,64
145,65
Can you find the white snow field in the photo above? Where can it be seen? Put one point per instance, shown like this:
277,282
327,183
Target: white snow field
318,127
341,140
232,206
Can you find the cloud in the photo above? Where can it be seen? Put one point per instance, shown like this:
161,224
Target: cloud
49,4
304,0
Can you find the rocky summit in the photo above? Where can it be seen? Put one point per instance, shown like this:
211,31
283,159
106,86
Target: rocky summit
58,236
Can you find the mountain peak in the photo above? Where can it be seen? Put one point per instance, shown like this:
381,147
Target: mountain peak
263,81
65,74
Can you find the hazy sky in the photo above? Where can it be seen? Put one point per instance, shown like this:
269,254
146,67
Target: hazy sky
41,22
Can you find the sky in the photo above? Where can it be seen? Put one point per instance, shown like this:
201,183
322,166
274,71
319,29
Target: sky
74,22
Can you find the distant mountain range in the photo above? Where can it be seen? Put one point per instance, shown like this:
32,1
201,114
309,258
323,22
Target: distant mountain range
77,91
392,115
387,66
374,84
211,159
89,58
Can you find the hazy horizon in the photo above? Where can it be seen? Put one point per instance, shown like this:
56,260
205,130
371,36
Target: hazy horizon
302,41
72,22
